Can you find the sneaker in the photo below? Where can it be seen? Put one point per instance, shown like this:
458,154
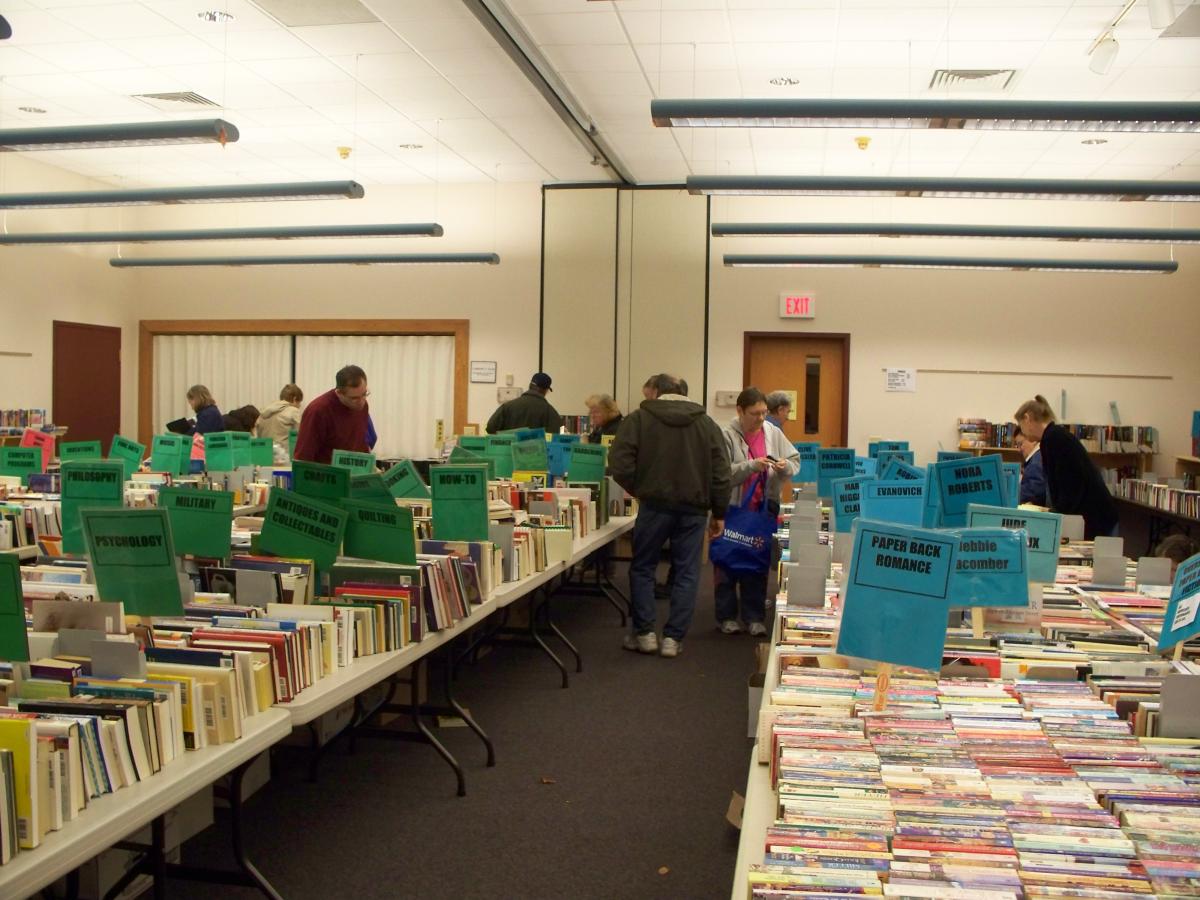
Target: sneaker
758,629
671,647
730,626
641,643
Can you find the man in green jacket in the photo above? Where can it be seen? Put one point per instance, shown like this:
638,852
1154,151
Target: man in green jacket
530,410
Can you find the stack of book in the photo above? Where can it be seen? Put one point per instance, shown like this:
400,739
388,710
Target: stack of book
17,420
1160,496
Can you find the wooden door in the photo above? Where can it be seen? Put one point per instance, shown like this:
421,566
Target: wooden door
86,391
816,369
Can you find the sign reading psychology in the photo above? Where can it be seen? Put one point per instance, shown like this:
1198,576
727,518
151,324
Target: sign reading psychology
902,502
807,472
200,520
847,501
962,482
992,568
898,595
98,483
833,463
1181,622
302,527
133,559
1042,530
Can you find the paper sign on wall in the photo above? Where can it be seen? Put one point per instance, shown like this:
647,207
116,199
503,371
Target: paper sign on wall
897,595
1042,531
901,502
807,472
833,463
1181,622
992,568
43,440
965,481
200,520
847,501
133,559
902,380
99,483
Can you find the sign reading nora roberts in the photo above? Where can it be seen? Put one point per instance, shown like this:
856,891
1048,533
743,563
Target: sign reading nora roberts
134,560
847,501
404,482
85,485
992,568
20,462
200,520
380,532
354,461
587,463
76,450
14,639
1042,531
302,527
807,472
962,482
902,502
129,452
833,463
460,503
218,451
1181,622
318,480
898,595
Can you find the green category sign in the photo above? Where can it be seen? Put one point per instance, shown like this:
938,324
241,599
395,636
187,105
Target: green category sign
14,640
526,434
303,528
476,443
128,452
318,480
382,533
262,452
404,482
370,489
499,447
76,450
531,455
171,453
460,503
20,462
133,559
354,461
86,485
200,520
460,455
242,455
587,462
218,451
292,436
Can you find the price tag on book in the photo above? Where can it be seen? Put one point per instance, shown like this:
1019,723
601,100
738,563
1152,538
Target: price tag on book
20,462
200,520
330,483
303,528
902,502
404,482
130,453
14,639
100,483
807,472
460,503
898,595
77,450
218,451
847,501
133,559
1042,531
1181,622
962,482
992,568
44,441
380,533
832,463
262,452
359,463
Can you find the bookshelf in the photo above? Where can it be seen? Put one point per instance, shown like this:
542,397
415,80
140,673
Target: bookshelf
1188,468
1103,459
11,436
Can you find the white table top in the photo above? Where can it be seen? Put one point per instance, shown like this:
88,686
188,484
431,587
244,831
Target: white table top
113,817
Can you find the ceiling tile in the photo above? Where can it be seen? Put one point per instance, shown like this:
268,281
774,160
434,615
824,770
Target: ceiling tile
696,26
593,57
337,40
591,27
299,71
181,49
800,25
15,61
798,55
686,57
372,67
124,20
37,27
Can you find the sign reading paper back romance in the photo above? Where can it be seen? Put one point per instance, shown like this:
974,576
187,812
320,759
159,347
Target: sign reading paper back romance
962,482
992,568
1042,530
833,463
303,528
1181,622
898,595
847,501
133,559
200,520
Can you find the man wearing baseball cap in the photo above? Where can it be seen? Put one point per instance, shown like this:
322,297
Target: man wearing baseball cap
530,410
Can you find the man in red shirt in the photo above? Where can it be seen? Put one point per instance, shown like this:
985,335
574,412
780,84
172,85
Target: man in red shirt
337,420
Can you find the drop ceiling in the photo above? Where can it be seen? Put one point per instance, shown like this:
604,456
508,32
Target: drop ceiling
421,92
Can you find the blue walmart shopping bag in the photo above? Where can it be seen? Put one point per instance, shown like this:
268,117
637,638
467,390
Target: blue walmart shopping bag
744,546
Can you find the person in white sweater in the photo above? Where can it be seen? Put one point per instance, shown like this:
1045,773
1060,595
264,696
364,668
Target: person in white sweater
282,417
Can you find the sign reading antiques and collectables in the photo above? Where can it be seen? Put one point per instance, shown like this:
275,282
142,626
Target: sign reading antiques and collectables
302,528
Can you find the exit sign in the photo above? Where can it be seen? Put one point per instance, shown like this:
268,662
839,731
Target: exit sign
797,305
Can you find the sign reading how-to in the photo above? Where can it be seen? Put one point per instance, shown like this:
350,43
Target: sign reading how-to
797,305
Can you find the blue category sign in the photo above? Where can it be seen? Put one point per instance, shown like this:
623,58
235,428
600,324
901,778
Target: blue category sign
874,447
943,455
992,568
1012,483
558,457
898,595
901,502
932,517
864,465
847,499
808,462
883,457
833,462
1042,532
899,470
1181,621
962,482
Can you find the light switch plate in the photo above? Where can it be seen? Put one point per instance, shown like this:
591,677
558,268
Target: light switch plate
505,394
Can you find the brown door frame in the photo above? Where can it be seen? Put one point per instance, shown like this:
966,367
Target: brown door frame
748,336
459,329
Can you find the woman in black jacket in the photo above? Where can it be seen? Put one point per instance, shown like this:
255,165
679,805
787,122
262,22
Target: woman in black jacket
1074,485
606,417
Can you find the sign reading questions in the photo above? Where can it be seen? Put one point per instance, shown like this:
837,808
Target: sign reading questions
1042,531
1181,622
902,502
898,595
992,568
962,482
832,463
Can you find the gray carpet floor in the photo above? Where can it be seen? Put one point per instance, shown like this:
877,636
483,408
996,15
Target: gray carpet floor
614,788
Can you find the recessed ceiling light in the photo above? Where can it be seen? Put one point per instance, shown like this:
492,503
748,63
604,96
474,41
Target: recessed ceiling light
1092,142
409,146
31,109
218,16
784,81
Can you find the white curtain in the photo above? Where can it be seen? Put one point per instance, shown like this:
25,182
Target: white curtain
238,370
410,377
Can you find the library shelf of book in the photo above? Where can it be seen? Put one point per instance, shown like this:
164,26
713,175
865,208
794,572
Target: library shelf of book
1103,459
113,817
1188,468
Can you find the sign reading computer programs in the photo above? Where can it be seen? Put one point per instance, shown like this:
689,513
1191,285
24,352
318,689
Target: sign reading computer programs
797,305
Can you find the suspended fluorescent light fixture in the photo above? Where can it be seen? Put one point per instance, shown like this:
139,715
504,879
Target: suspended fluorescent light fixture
1162,13
921,229
127,134
342,259
220,193
950,262
969,115
970,188
1102,56
418,229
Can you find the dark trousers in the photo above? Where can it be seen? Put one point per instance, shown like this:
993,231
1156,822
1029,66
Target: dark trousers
652,530
753,589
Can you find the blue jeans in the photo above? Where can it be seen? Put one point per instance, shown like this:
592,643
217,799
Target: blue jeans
652,530
751,585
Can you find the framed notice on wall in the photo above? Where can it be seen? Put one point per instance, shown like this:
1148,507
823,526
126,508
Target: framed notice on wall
483,371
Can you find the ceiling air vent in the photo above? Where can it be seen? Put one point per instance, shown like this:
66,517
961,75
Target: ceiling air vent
175,101
974,81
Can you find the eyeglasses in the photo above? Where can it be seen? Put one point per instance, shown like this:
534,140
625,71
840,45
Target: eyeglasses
363,396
